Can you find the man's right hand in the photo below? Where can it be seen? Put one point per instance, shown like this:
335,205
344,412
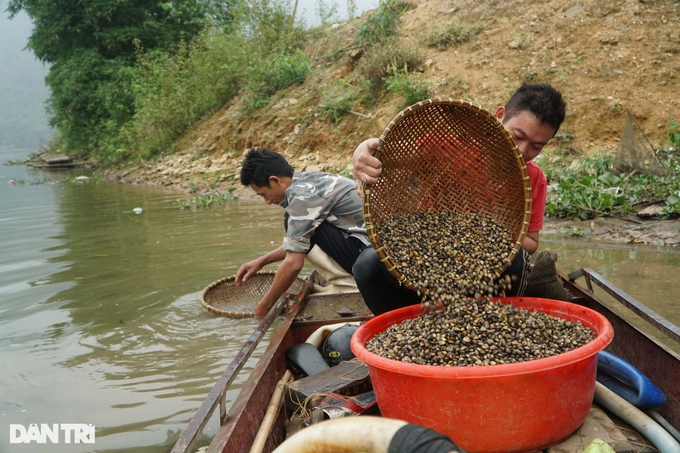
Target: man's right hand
246,271
366,167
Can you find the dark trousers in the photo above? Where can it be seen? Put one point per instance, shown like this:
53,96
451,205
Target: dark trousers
336,243
382,292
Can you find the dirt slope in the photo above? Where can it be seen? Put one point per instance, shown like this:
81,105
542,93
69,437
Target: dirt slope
602,54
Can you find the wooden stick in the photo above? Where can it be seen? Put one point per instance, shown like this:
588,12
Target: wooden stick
651,202
654,150
608,215
245,144
270,415
363,115
359,114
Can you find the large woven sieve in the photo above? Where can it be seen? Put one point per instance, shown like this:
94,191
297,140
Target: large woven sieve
447,155
224,298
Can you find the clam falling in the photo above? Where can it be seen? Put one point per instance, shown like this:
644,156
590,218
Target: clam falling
447,256
455,262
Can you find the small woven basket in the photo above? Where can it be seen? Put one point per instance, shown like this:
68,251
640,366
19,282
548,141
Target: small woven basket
224,298
447,155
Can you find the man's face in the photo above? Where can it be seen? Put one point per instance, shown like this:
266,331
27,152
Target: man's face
273,194
529,134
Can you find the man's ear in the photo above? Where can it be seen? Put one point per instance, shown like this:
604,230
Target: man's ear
274,180
500,112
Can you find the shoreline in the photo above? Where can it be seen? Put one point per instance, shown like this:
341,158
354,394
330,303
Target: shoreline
177,172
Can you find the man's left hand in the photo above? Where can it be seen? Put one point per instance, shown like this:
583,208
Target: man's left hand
262,309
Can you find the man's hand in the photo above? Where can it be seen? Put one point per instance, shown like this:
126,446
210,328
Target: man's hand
262,309
285,276
247,270
251,267
366,167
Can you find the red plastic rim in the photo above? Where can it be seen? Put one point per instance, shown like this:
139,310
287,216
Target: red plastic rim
572,312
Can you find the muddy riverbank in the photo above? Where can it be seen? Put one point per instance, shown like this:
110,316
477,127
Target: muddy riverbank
193,177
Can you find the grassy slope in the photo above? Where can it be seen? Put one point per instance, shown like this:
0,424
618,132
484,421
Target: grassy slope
603,55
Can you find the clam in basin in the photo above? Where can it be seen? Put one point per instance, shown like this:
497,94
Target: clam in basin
509,408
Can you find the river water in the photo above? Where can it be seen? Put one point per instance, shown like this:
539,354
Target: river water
100,314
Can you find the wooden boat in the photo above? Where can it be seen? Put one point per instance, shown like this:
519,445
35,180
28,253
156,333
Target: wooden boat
645,340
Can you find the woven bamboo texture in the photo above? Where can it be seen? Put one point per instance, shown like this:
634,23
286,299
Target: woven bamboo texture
224,298
448,155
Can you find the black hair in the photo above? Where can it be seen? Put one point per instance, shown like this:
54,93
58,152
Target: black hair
541,99
261,163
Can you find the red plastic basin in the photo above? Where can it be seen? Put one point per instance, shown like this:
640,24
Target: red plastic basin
518,407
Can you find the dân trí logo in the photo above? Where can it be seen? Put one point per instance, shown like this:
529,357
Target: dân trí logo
76,433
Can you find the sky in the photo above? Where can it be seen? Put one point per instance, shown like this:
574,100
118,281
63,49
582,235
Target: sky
308,9
23,121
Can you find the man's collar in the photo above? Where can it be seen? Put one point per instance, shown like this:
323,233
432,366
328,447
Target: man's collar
296,175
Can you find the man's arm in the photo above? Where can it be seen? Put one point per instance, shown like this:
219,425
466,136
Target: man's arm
530,242
366,167
248,269
285,276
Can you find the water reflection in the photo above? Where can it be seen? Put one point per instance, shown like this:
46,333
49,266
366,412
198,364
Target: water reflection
158,354
114,333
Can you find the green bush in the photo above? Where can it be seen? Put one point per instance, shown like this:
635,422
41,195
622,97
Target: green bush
453,34
674,134
377,62
274,75
267,28
91,52
408,85
585,187
339,99
172,92
213,199
382,24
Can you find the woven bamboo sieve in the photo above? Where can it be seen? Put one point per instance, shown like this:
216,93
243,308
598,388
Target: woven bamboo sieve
448,155
224,298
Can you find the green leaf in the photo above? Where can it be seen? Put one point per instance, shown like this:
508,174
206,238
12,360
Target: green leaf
609,179
588,181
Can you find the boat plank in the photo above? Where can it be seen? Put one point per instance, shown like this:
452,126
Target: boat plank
657,362
246,412
656,320
216,396
51,159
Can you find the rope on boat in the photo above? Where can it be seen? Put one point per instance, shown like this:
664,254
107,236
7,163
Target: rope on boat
359,364
302,413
